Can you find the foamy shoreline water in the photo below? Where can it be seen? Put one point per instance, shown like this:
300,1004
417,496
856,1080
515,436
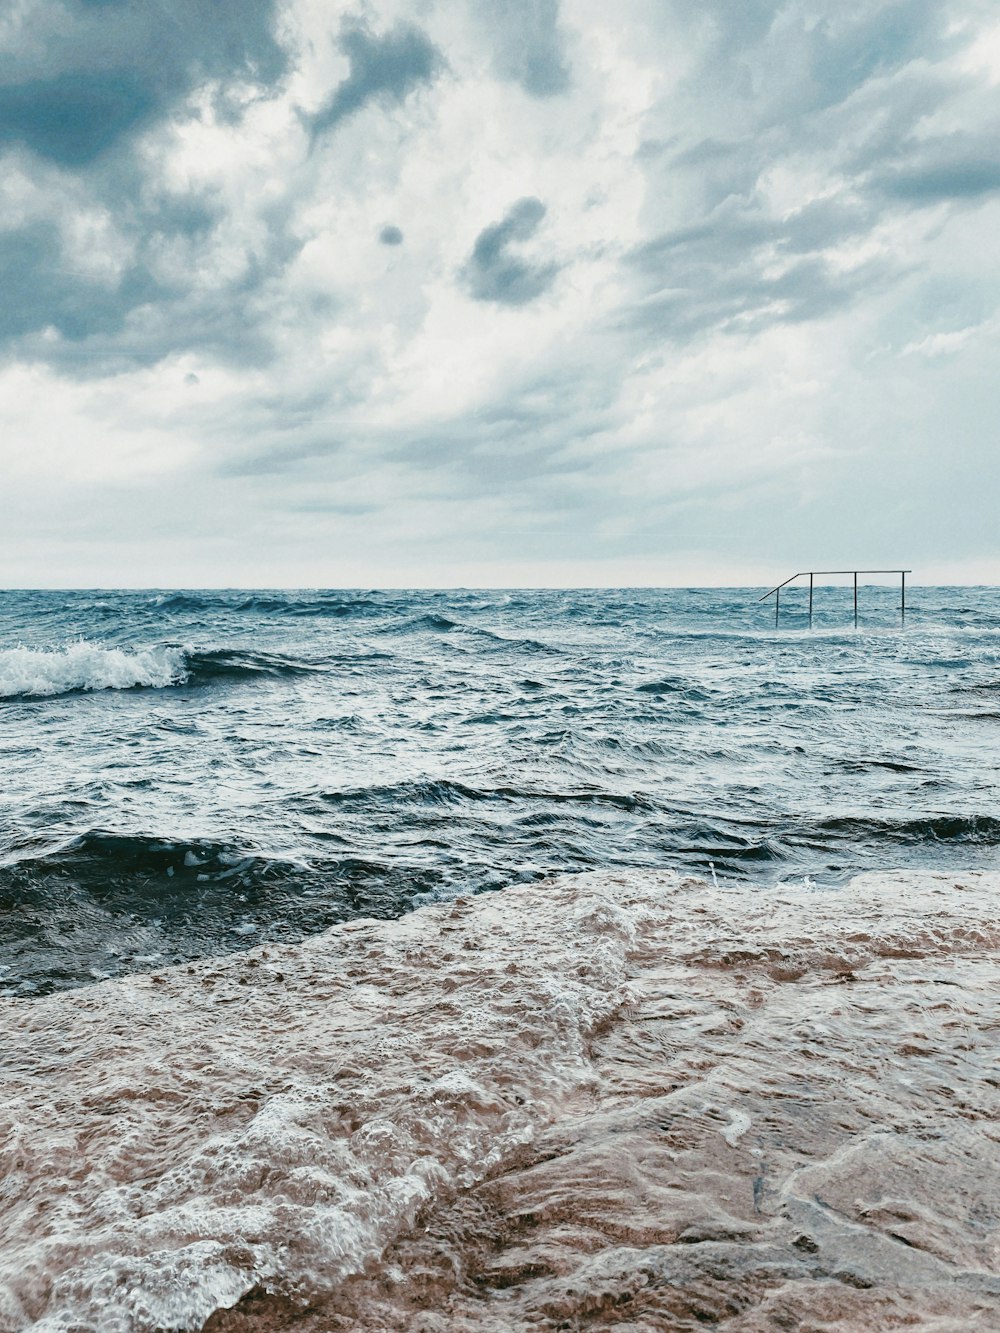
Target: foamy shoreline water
618,1100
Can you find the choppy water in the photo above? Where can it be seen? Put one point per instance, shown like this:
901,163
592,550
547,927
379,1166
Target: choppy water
190,773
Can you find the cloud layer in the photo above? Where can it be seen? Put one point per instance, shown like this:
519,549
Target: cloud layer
530,292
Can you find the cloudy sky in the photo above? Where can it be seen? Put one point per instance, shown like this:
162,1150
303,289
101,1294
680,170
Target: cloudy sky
295,292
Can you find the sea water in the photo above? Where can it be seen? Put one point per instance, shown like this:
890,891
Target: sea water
722,1053
189,773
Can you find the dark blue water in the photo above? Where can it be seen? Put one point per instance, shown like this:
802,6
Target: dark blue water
188,773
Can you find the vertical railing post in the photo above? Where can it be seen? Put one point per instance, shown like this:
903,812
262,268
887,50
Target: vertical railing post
776,592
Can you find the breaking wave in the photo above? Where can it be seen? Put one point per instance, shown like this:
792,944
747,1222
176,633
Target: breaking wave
33,673
79,668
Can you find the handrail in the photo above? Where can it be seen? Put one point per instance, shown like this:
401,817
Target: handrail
776,592
812,572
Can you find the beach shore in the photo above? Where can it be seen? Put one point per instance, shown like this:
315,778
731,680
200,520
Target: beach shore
617,1100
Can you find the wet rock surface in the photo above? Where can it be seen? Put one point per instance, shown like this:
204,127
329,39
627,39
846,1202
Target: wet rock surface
618,1101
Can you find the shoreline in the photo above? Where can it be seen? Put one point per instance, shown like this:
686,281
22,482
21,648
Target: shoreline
622,1097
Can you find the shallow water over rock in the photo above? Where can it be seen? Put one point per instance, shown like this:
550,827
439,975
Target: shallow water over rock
617,1101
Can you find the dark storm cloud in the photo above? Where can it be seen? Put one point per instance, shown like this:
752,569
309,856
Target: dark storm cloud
108,327
930,182
900,166
74,116
528,45
771,92
72,92
722,169
40,292
383,68
493,273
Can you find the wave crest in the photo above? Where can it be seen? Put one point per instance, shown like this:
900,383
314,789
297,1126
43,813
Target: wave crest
101,856
333,607
236,663
83,666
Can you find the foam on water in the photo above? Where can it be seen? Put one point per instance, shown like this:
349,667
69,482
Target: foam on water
86,666
623,1099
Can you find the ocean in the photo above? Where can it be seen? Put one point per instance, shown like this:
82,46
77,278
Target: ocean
189,773
495,962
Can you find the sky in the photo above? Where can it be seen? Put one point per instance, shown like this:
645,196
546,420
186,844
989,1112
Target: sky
528,292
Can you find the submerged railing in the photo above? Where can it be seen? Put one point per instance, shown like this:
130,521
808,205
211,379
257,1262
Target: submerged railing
812,573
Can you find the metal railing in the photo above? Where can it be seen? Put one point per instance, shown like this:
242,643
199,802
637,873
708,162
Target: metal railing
812,573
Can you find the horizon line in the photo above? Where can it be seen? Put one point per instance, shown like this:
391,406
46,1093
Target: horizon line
447,587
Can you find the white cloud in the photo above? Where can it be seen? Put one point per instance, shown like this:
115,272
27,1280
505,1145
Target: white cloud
753,257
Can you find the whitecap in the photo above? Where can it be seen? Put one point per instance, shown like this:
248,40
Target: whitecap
84,666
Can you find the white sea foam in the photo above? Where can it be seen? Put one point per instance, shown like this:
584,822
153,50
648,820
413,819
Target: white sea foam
30,672
279,1117
626,1096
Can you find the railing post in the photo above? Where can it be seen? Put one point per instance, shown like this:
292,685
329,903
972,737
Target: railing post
776,592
